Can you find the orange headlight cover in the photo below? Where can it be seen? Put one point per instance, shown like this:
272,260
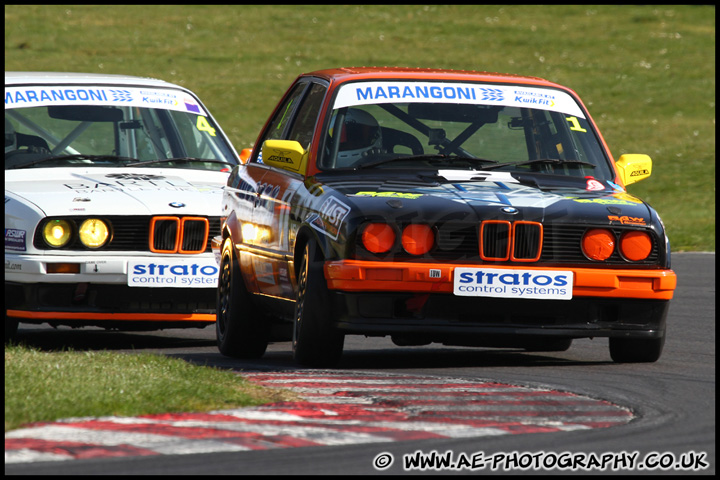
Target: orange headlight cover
635,245
378,237
417,239
598,244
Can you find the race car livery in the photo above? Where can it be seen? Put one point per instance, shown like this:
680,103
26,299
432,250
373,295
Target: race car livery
461,208
113,189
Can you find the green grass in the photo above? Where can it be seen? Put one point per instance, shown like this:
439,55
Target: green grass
42,386
646,73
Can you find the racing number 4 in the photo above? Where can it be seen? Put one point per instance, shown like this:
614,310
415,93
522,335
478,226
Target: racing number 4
204,126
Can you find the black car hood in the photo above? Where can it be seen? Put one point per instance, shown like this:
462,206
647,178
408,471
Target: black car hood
477,195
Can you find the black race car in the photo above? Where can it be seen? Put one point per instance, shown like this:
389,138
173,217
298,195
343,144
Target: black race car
462,208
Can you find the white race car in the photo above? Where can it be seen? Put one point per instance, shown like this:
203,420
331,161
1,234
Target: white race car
113,190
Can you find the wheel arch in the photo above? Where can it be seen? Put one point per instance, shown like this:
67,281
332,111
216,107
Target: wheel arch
230,227
304,235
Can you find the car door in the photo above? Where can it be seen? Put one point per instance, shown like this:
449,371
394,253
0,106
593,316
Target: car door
295,120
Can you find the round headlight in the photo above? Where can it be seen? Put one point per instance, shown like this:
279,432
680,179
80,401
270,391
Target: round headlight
635,246
93,233
598,244
57,233
417,239
378,237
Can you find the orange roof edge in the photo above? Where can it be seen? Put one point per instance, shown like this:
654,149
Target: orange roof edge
339,74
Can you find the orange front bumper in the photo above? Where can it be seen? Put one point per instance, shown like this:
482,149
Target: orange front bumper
367,276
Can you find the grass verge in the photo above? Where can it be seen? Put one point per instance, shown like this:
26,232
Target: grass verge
42,386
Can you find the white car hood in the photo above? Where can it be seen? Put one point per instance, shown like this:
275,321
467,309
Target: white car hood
118,191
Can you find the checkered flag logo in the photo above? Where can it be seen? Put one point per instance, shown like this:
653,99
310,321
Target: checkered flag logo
121,95
492,94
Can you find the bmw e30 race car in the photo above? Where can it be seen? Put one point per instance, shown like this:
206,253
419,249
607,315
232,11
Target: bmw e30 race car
463,208
113,189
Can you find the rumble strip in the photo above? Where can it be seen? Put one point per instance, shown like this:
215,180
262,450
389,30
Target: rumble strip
338,408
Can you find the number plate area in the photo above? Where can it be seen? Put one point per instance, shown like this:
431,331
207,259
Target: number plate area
515,283
162,272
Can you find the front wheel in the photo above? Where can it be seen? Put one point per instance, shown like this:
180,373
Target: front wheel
239,326
636,350
316,343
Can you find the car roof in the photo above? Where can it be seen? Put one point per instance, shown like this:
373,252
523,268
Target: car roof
367,73
64,78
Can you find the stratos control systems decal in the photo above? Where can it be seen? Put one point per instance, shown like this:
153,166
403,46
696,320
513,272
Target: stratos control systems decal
166,272
537,284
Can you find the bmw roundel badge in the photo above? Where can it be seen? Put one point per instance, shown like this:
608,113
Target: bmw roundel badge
177,204
510,210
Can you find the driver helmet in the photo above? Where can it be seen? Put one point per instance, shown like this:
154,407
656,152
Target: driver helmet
10,137
360,135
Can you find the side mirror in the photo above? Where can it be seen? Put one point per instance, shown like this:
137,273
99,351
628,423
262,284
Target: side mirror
245,155
286,154
634,167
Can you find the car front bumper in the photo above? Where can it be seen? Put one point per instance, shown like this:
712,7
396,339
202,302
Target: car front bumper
110,306
400,298
367,276
464,320
95,290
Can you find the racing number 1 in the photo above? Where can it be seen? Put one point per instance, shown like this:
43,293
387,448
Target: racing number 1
575,124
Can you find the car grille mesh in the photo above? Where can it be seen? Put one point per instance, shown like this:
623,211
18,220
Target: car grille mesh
527,241
178,234
165,235
195,236
502,240
495,240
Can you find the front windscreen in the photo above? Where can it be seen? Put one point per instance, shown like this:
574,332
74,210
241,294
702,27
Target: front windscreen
461,125
53,126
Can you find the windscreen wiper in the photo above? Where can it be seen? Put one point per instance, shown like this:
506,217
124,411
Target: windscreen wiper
79,156
548,161
179,159
447,160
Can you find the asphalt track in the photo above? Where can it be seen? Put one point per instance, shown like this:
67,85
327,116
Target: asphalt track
484,410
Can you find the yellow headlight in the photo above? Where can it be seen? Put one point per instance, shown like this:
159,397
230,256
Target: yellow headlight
94,233
57,233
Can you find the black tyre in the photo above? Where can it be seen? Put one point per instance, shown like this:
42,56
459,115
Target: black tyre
636,350
239,328
316,343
